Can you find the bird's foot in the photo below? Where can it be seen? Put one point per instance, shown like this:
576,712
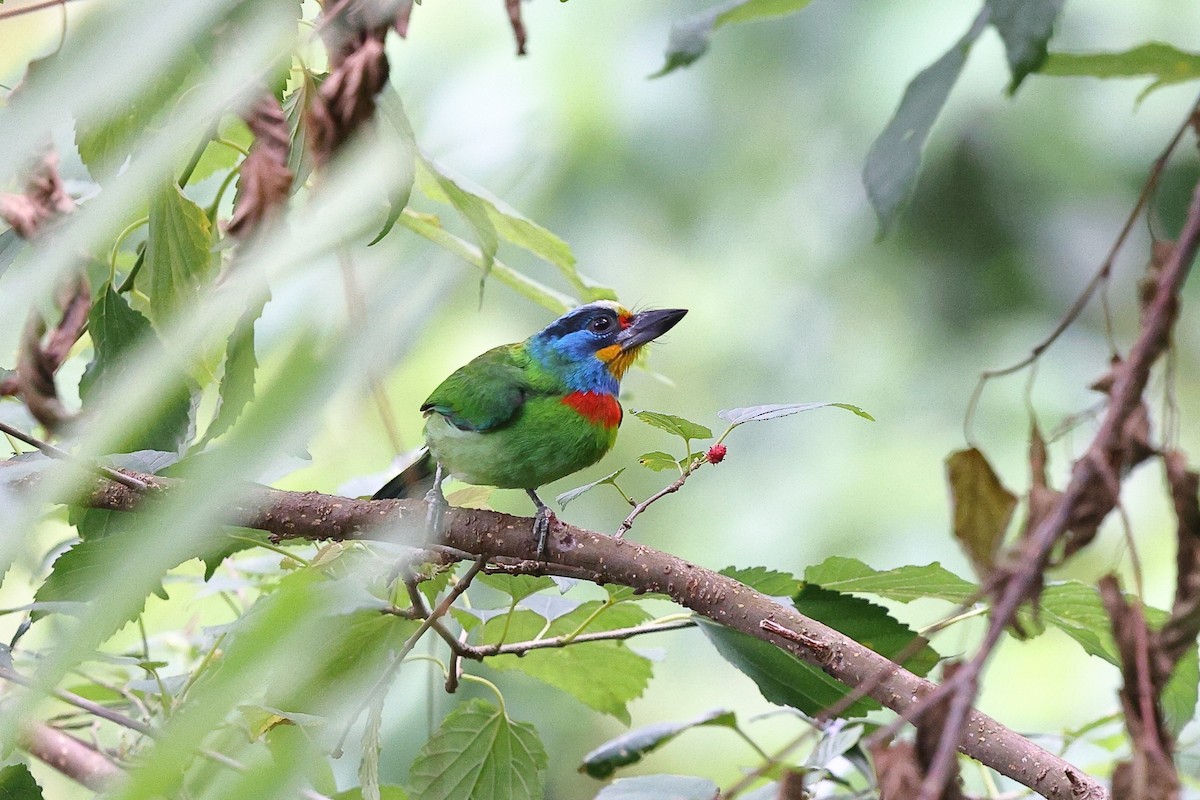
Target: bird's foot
435,508
541,529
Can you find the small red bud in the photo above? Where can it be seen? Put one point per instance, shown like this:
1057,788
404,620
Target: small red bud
715,454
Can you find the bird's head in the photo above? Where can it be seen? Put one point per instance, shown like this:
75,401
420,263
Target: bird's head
596,343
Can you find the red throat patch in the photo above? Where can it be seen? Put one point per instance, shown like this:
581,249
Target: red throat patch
596,407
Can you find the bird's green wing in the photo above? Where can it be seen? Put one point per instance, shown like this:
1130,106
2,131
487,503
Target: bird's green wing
485,393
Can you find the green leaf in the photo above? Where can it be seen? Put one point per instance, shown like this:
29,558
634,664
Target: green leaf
178,252
396,135
80,575
685,429
1158,60
470,207
631,747
895,157
16,783
568,496
785,680
658,461
218,156
604,675
659,787
471,497
517,586
737,416
766,581
1077,610
368,767
982,507
1025,26
902,584
237,382
117,332
478,753
690,37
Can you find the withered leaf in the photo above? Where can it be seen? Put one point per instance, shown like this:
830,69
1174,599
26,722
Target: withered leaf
896,771
982,508
1181,629
265,179
44,199
518,27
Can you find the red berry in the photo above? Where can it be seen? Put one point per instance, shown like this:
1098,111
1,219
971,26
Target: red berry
715,454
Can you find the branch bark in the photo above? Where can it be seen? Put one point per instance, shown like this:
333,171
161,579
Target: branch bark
315,516
68,755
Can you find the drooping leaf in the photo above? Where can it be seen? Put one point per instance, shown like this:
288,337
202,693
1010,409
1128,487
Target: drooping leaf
902,584
782,678
658,461
472,208
570,495
982,507
767,581
690,37
396,134
892,164
478,753
660,787
603,675
237,382
117,332
1076,609
631,747
737,416
683,428
17,783
1163,62
1025,26
80,574
178,257
295,107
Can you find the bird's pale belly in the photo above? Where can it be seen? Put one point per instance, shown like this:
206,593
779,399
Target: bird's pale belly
546,441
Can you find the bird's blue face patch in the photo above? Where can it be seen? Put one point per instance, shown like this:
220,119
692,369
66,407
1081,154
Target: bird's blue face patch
571,345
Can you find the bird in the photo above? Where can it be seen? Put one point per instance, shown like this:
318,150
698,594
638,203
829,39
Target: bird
522,415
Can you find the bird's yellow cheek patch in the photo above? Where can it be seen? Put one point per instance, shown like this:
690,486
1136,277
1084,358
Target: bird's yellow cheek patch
618,360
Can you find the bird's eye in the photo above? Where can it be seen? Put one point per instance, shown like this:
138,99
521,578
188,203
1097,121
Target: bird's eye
601,324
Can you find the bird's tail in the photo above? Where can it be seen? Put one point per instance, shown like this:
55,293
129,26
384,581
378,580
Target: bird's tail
413,481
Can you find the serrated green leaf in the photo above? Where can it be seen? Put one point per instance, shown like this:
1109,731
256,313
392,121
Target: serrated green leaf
660,787
1077,610
683,428
767,581
80,574
237,382
604,675
179,260
1164,62
478,753
690,37
472,208
17,783
1025,26
737,416
903,584
658,461
568,496
295,105
117,331
96,523
890,172
866,623
982,507
517,586
631,747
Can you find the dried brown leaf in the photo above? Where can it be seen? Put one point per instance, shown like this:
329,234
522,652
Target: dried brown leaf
982,508
346,97
403,15
518,27
265,179
1181,630
1150,774
930,735
896,771
44,199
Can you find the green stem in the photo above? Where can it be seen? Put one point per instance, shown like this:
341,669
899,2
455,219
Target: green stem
127,284
197,154
466,676
204,664
946,623
512,607
763,754
272,547
607,604
112,257
232,145
216,203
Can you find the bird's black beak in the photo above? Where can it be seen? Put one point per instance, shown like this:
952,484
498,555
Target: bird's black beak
647,326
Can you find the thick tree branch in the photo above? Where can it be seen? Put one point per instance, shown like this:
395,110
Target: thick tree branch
310,515
68,755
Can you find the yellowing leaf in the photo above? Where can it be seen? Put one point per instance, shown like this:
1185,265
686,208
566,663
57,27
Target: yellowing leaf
982,507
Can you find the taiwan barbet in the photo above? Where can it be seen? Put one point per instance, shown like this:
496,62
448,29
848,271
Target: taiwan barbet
522,415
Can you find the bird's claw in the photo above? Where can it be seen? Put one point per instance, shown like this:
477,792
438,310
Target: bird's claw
435,508
541,529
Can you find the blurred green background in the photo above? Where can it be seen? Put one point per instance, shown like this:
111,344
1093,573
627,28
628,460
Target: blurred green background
732,188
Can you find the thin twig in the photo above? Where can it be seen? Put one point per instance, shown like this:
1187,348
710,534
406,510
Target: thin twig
670,488
53,452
